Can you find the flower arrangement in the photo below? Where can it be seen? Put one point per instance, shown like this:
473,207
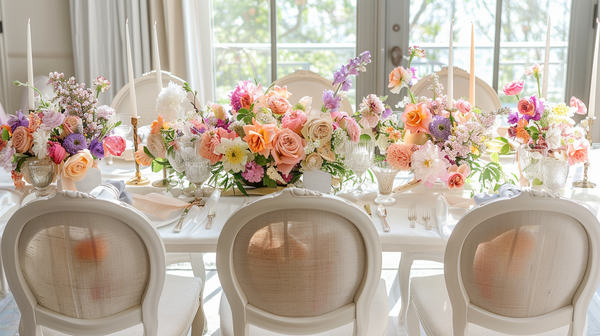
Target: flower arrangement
70,129
435,141
536,123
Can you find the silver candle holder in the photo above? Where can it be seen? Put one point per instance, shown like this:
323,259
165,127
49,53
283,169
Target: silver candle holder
585,183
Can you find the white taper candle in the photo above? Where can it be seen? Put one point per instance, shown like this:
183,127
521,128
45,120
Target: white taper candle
159,84
546,72
450,90
133,102
472,74
30,100
592,103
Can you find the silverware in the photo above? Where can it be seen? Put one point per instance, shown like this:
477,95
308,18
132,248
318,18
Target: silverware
382,212
427,218
412,216
179,225
211,214
368,209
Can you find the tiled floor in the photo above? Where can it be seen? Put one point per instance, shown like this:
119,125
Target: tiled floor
9,314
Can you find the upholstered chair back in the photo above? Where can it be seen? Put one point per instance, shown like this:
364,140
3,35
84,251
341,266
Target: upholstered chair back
299,262
523,265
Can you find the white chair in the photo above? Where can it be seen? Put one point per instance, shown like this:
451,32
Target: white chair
146,93
83,266
3,116
485,96
307,83
526,265
301,262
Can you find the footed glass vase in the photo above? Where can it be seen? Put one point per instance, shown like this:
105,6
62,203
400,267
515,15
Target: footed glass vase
41,174
385,175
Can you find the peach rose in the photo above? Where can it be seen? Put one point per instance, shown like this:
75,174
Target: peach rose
521,132
77,165
280,91
279,105
526,106
577,152
157,125
156,146
399,155
259,137
288,150
69,125
314,161
458,175
210,141
416,118
578,105
22,140
294,120
141,157
319,127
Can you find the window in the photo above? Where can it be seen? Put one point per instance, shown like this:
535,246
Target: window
316,35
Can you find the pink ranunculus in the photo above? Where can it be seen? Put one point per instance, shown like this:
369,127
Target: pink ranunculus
577,152
56,152
463,106
288,150
294,120
457,176
69,125
115,145
353,129
579,105
513,88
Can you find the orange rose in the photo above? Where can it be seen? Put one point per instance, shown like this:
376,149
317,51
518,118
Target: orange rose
521,132
77,165
399,78
279,105
259,137
526,106
416,118
22,140
157,125
69,125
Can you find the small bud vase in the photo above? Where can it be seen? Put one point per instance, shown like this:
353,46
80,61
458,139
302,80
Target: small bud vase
385,175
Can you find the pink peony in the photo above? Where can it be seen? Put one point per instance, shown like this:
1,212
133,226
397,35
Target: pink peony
399,155
115,145
210,141
457,176
513,88
294,120
353,129
56,152
579,105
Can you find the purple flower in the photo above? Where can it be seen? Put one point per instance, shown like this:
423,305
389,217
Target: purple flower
74,142
51,119
253,173
331,101
440,128
222,124
97,148
17,120
347,84
352,68
513,117
414,79
539,108
386,113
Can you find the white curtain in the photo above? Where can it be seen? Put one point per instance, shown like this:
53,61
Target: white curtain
99,49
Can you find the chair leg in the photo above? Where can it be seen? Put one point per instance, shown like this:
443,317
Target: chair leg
197,261
199,323
413,326
3,283
406,262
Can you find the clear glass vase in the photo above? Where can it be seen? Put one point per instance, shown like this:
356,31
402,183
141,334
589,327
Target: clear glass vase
41,174
197,171
385,175
530,161
555,173
359,157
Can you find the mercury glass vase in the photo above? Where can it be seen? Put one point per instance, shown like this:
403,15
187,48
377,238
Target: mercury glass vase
385,175
555,173
359,157
41,174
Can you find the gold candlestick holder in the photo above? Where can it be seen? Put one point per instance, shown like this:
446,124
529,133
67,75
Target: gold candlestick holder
585,183
138,179
163,182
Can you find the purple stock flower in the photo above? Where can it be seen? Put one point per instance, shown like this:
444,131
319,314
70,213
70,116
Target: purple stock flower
513,117
347,84
17,120
440,128
74,142
97,148
331,101
386,113
414,79
352,68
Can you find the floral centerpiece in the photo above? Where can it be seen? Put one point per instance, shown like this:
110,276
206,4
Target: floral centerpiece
436,140
71,130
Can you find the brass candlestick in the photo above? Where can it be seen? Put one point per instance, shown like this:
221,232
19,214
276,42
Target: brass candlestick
138,179
163,182
585,183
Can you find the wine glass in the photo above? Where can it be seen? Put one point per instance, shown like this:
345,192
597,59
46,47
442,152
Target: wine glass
530,160
385,175
359,157
197,171
177,161
555,173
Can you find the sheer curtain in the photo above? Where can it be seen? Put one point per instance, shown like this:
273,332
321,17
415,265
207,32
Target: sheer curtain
184,41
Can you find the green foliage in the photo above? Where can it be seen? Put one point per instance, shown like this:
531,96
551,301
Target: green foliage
5,135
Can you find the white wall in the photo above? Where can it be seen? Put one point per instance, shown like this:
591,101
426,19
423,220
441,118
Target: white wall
51,41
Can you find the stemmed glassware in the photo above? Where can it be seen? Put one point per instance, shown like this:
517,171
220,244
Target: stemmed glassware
177,161
530,160
385,175
359,157
555,173
197,171
41,173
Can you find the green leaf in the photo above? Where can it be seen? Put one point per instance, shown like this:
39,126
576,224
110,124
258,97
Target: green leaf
5,135
537,182
241,188
19,163
248,119
156,167
240,116
267,181
261,160
148,152
504,150
243,111
495,157
503,139
365,137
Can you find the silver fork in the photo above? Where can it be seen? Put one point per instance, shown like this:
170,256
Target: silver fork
211,214
427,218
412,217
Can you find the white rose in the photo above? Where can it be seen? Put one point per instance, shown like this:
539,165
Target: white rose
156,146
553,137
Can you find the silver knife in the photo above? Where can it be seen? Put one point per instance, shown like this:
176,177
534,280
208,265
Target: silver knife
210,216
179,225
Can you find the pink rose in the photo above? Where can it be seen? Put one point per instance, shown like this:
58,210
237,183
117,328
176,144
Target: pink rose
279,105
115,145
294,120
458,175
56,152
463,106
577,152
353,129
579,105
513,88
526,106
288,150
69,125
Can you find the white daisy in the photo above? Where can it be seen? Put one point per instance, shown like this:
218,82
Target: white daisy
235,154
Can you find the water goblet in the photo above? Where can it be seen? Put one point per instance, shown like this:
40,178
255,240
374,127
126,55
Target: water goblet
359,157
197,171
555,173
41,174
385,175
177,161
530,160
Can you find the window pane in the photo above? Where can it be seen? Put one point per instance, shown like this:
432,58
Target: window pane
317,35
523,42
429,29
242,43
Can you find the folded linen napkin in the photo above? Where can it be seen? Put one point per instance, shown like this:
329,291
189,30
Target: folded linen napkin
158,204
458,202
114,190
506,190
